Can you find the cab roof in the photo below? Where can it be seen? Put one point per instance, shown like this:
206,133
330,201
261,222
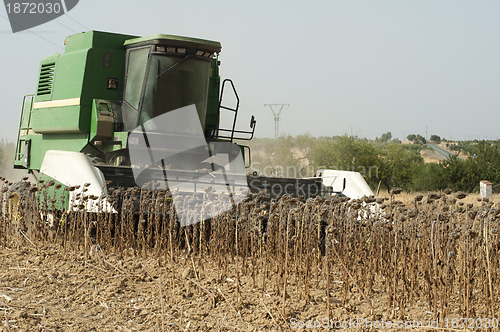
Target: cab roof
174,41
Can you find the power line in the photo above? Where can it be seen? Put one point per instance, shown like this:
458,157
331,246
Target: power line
55,20
277,117
87,28
66,14
253,108
33,33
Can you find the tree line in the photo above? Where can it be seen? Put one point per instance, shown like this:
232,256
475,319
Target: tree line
6,156
382,161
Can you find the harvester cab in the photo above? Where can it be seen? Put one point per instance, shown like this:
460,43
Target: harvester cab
95,107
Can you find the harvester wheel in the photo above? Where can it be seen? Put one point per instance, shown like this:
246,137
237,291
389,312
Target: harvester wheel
118,158
14,202
20,217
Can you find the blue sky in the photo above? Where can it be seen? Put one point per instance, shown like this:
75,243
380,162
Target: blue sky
344,66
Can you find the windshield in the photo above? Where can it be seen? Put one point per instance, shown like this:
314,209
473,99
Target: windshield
171,82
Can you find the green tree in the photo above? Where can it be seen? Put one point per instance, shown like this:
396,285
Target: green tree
417,139
282,157
304,142
6,161
347,153
421,139
460,175
435,139
6,154
488,162
399,166
428,177
386,137
412,137
465,174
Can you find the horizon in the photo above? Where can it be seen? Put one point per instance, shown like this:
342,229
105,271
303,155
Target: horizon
344,67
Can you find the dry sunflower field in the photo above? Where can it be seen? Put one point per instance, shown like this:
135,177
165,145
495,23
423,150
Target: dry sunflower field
267,264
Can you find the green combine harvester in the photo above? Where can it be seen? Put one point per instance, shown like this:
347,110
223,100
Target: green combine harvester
94,103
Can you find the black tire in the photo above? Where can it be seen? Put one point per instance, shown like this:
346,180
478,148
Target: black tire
20,216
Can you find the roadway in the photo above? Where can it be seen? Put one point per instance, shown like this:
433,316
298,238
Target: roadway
442,151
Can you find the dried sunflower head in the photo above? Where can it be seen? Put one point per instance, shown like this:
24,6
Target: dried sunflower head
412,213
433,196
396,191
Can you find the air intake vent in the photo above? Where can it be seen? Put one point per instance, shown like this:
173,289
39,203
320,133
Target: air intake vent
46,79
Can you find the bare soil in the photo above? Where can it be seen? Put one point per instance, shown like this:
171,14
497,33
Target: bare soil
45,288
430,156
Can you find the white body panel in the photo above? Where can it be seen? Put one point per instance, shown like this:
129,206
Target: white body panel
355,188
355,185
72,169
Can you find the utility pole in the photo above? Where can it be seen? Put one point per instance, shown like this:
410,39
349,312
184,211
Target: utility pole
277,117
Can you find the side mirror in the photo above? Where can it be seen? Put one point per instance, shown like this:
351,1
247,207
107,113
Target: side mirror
252,122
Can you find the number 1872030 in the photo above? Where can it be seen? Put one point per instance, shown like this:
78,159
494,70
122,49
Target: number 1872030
33,8
471,323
